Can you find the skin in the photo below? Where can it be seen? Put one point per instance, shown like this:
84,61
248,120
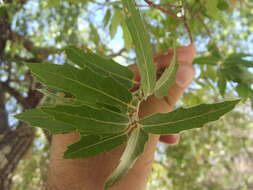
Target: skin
91,173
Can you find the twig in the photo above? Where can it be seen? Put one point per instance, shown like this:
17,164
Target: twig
31,47
13,93
161,8
205,26
163,5
118,53
248,5
188,29
182,19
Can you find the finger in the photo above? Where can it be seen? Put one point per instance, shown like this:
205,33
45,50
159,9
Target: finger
170,139
185,54
184,77
136,77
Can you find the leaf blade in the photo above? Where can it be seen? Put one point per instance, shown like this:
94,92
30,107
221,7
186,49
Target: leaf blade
167,79
88,119
100,65
183,119
142,47
92,145
85,85
135,147
38,118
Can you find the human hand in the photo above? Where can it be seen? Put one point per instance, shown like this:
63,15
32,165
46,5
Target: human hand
91,173
184,77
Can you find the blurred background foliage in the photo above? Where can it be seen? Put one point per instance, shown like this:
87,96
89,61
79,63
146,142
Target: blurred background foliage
213,158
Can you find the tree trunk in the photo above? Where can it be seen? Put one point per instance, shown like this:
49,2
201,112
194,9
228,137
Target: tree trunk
14,143
13,146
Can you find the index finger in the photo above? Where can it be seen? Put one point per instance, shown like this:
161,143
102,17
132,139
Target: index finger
185,54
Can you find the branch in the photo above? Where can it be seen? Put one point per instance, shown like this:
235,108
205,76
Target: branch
118,53
248,5
31,47
11,91
182,19
163,5
4,124
187,29
205,26
161,8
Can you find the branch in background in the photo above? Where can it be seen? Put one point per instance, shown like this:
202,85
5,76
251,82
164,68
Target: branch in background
39,52
187,28
11,91
161,8
117,53
4,124
164,6
205,26
18,58
248,5
207,29
173,15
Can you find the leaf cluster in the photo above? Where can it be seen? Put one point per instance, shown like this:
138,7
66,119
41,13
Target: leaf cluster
93,99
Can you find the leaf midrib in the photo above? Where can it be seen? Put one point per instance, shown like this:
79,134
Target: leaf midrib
141,45
174,122
89,118
164,81
85,147
97,66
97,90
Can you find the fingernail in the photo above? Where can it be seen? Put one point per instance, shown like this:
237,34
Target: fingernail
185,75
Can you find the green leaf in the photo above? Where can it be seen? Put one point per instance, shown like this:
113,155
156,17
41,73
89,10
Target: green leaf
85,85
94,35
126,36
238,73
107,17
244,91
135,147
209,60
53,3
92,145
88,119
222,83
3,9
186,118
58,99
142,47
223,5
100,65
77,1
115,23
236,59
212,9
38,118
167,79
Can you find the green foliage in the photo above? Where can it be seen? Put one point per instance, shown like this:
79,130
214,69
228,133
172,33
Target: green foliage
235,68
142,47
183,119
107,110
88,119
215,157
85,85
135,147
101,66
35,116
90,145
167,79
97,88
